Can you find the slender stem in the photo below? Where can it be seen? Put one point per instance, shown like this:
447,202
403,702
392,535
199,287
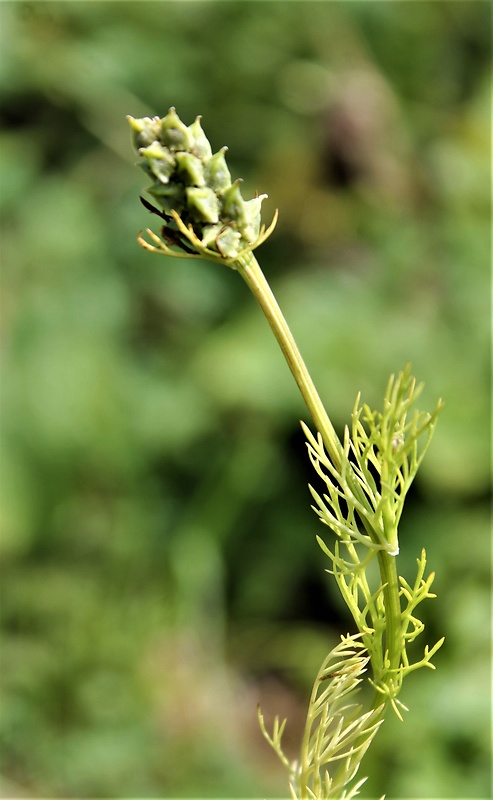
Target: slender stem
390,582
249,269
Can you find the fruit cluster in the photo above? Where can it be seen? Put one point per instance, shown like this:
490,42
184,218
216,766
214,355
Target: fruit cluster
195,183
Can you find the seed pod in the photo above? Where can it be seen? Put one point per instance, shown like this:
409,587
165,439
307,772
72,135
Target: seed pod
222,238
174,133
228,242
190,169
251,218
232,205
202,204
144,131
171,196
216,171
201,146
157,161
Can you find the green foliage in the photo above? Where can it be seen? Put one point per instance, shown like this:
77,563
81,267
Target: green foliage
337,733
381,458
152,504
367,486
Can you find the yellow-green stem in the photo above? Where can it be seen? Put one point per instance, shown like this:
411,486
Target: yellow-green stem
249,269
390,582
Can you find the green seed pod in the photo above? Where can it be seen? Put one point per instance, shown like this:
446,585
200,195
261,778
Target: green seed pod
210,234
228,242
158,161
174,133
217,174
251,213
222,238
233,203
144,131
201,146
190,169
203,204
171,197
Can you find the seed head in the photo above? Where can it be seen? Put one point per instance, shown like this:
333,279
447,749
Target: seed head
192,183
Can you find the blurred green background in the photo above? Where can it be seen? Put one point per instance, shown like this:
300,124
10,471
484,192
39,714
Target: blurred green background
160,568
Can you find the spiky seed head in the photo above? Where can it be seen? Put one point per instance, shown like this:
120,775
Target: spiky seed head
189,179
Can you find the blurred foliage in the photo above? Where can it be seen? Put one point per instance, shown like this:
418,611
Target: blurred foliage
160,570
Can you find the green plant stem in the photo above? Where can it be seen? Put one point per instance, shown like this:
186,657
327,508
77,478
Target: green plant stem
390,582
250,270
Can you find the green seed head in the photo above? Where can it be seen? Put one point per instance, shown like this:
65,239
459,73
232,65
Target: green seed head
189,180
